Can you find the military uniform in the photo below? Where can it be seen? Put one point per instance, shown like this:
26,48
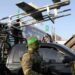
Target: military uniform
31,61
28,60
73,67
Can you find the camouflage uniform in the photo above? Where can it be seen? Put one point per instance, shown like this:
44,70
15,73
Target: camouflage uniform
31,60
73,67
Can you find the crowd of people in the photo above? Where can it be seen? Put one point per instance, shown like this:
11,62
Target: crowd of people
31,61
18,36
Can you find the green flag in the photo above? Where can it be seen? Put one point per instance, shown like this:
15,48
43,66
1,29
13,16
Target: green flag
18,11
47,28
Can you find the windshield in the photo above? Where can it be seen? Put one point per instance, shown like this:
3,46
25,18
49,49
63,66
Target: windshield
33,31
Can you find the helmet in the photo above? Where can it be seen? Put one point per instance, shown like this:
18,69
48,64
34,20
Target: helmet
18,20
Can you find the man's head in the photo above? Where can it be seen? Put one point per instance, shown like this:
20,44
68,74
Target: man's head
18,20
46,38
32,43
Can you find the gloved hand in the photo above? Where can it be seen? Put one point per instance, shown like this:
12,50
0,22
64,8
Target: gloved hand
68,59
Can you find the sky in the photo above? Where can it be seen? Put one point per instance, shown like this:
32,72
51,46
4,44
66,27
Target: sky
64,27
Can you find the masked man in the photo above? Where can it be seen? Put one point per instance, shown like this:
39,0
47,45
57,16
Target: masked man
31,60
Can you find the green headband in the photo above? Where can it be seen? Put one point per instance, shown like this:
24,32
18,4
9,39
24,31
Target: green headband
32,40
